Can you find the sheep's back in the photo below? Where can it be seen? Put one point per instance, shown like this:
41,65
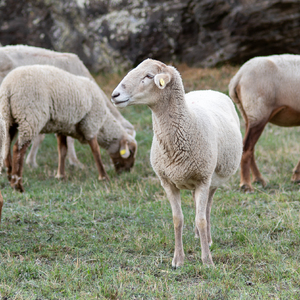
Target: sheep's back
215,112
21,55
47,99
269,81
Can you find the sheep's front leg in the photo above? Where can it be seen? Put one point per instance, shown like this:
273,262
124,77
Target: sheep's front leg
31,157
202,194
208,210
62,153
17,165
97,156
73,160
173,195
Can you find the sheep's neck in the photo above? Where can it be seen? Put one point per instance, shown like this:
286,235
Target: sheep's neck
110,134
171,122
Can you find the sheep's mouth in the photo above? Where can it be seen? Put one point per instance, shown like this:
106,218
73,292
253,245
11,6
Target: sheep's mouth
119,102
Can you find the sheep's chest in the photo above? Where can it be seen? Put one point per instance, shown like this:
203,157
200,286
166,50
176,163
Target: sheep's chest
177,167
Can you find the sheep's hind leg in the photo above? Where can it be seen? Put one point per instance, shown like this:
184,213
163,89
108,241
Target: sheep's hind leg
197,235
97,156
173,195
73,160
208,210
257,177
8,165
17,165
248,161
31,157
202,195
62,154
8,158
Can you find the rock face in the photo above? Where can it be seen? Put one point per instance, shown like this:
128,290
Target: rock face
109,35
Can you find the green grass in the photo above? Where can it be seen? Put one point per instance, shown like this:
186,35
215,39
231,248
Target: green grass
84,239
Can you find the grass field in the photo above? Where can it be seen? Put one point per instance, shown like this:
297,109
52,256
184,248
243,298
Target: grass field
84,239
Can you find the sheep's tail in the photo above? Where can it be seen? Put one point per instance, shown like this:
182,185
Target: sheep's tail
234,94
5,122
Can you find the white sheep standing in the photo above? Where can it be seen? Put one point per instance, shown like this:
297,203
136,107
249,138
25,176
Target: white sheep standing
44,99
266,89
197,143
12,57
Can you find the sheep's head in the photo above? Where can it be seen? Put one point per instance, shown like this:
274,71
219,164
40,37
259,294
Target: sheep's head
141,85
123,159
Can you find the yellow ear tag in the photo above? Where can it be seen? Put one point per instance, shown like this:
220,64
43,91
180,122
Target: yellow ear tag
161,82
123,151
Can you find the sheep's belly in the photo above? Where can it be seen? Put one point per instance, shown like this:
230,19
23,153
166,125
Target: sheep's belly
58,127
183,180
191,184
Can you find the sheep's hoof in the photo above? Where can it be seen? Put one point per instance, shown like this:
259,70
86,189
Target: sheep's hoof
208,261
18,187
296,177
76,164
32,164
59,176
246,188
260,181
209,264
103,178
178,261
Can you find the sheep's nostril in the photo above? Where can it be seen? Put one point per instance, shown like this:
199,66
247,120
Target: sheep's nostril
115,95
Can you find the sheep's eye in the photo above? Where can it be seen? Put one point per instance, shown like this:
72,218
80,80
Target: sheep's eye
149,76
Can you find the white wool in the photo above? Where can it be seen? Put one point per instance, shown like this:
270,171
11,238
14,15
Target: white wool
197,143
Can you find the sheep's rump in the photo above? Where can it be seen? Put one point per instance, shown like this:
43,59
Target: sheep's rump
266,83
45,99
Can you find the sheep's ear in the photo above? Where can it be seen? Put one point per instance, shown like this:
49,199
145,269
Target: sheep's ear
124,149
161,80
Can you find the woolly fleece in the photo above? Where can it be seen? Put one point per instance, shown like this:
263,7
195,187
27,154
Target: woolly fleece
46,99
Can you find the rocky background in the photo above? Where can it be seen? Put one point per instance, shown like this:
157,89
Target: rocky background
109,35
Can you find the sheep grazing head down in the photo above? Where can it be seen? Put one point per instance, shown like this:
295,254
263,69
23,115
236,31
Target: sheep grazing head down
141,85
124,159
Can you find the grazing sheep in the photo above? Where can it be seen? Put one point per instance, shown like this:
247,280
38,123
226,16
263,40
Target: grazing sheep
2,153
197,143
44,99
20,55
266,89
